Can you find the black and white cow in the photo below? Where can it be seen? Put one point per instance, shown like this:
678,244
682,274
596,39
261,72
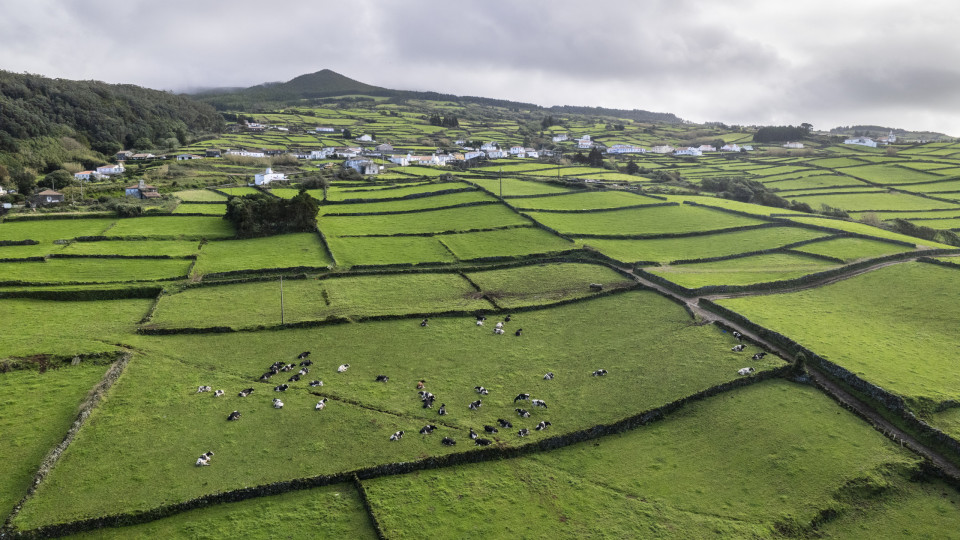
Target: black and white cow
473,434
738,348
281,388
443,409
503,423
475,405
745,371
519,332
382,378
481,390
303,355
245,392
523,432
543,425
295,378
277,404
521,397
314,384
423,323
548,376
738,335
482,442
539,403
447,441
759,355
396,436
343,367
599,373
235,415
523,413
427,429
490,429
201,389
321,405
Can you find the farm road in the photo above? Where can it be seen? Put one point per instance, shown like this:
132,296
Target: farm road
841,396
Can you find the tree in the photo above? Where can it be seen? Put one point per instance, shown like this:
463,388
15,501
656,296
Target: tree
806,127
24,180
632,168
595,158
59,177
347,134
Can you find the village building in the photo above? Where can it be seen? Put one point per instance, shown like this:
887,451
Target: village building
365,138
362,166
796,145
625,149
707,148
324,129
87,175
109,170
213,152
142,190
862,141
47,197
662,149
268,176
732,147
687,151
560,138
123,155
186,157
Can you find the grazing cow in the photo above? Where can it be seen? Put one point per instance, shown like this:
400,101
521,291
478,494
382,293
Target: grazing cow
428,403
287,367
759,355
316,383
539,403
267,375
281,388
490,429
235,415
479,322
521,397
303,355
523,413
421,384
499,325
498,331
218,393
738,348
443,409
303,371
745,371
306,363
427,429
295,378
738,335
599,373
475,405
503,423
276,366
519,332
473,434
343,367
382,378
245,392
507,319
523,432
321,404
447,441
543,425
396,436
482,442
481,390
277,404
203,389
548,376
423,323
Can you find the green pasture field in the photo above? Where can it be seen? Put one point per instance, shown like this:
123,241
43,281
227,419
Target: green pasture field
427,221
850,192
617,177
513,187
873,201
503,243
837,162
819,181
682,477
731,204
45,231
280,251
953,223
204,195
948,172
36,250
928,165
211,209
782,169
258,303
545,283
422,203
512,167
176,227
386,192
863,228
584,200
885,216
743,271
325,512
173,248
423,171
29,395
664,250
656,220
852,249
353,250
68,327
574,171
156,415
935,187
889,174
94,270
867,324
239,191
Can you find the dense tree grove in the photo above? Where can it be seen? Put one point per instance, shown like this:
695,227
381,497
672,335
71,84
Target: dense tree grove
107,117
446,121
769,134
260,214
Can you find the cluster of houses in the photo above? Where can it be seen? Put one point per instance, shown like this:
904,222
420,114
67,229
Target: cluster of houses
867,141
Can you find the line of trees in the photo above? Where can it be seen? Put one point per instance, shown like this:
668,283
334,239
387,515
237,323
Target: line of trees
260,214
768,134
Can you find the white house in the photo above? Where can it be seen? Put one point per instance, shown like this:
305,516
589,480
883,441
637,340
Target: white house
403,161
319,154
362,166
108,170
324,129
560,138
585,142
889,139
489,146
267,177
87,175
732,147
747,147
365,138
185,157
793,145
862,141
472,154
687,151
516,150
496,154
625,149
707,148
531,153
245,153
142,190
662,149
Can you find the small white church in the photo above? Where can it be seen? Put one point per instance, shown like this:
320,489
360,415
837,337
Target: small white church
267,177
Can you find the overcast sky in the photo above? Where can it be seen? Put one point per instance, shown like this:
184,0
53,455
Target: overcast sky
829,63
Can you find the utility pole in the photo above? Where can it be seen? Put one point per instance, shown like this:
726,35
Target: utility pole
281,300
501,182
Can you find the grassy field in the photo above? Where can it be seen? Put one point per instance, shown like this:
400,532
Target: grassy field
851,249
209,209
353,250
854,202
429,221
686,476
868,322
504,243
644,221
239,191
94,270
664,250
53,396
545,283
513,187
390,192
47,231
173,248
155,413
252,304
862,228
68,327
584,200
743,271
281,251
173,227
204,195
423,203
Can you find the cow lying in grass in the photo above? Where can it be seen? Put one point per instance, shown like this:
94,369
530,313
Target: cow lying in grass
396,436
745,371
321,404
204,459
277,404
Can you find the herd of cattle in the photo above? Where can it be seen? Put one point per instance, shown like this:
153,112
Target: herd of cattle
426,398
